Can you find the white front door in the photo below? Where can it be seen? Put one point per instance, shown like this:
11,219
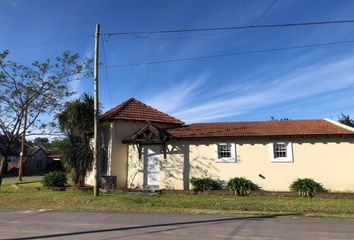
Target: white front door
152,165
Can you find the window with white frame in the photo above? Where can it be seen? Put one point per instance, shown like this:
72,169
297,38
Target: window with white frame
281,152
225,152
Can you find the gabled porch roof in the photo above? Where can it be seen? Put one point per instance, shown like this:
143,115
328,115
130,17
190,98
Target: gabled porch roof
150,134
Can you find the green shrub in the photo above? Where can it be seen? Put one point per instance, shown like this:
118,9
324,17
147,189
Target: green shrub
55,179
306,187
205,183
241,186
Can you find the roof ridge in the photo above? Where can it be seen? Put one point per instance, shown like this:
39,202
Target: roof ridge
338,124
157,110
125,104
126,111
292,120
118,108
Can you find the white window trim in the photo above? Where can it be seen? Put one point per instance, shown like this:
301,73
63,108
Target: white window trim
231,159
288,159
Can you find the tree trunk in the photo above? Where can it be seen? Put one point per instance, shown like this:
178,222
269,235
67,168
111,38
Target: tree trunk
23,149
2,168
82,180
3,160
75,176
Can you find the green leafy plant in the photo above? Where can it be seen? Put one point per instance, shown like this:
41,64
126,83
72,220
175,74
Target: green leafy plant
55,179
76,122
306,187
205,183
241,186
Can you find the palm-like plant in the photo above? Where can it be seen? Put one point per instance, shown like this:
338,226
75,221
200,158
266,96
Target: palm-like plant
76,121
78,116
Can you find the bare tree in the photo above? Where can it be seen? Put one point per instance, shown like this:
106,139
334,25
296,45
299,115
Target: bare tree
39,89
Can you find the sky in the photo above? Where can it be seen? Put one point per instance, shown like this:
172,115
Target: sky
297,84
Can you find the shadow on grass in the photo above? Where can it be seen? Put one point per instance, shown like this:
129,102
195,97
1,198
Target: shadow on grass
174,224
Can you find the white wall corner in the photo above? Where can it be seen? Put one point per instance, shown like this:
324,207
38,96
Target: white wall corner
110,150
216,151
233,151
271,151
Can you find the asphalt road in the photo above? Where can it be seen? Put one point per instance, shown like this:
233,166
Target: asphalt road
46,224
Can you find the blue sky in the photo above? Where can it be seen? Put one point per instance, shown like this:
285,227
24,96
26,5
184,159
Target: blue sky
298,84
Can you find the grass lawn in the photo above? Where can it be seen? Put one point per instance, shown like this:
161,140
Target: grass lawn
187,203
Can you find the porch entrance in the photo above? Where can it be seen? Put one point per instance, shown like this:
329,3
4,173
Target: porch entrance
152,166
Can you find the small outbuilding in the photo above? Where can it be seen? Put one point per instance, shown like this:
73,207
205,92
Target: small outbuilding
36,160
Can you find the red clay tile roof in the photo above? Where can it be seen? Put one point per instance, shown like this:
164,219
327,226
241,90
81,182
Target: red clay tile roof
260,129
133,109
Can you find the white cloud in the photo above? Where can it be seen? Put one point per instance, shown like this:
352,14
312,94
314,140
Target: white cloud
319,78
181,94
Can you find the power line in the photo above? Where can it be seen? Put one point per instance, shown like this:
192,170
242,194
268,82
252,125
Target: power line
232,54
231,28
136,33
150,37
265,11
106,68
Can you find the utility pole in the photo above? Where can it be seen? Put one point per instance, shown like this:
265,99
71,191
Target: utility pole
23,147
96,155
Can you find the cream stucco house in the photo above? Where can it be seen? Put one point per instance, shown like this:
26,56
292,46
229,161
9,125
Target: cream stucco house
145,148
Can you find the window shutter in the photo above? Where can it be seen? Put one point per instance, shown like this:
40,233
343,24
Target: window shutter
233,152
216,150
